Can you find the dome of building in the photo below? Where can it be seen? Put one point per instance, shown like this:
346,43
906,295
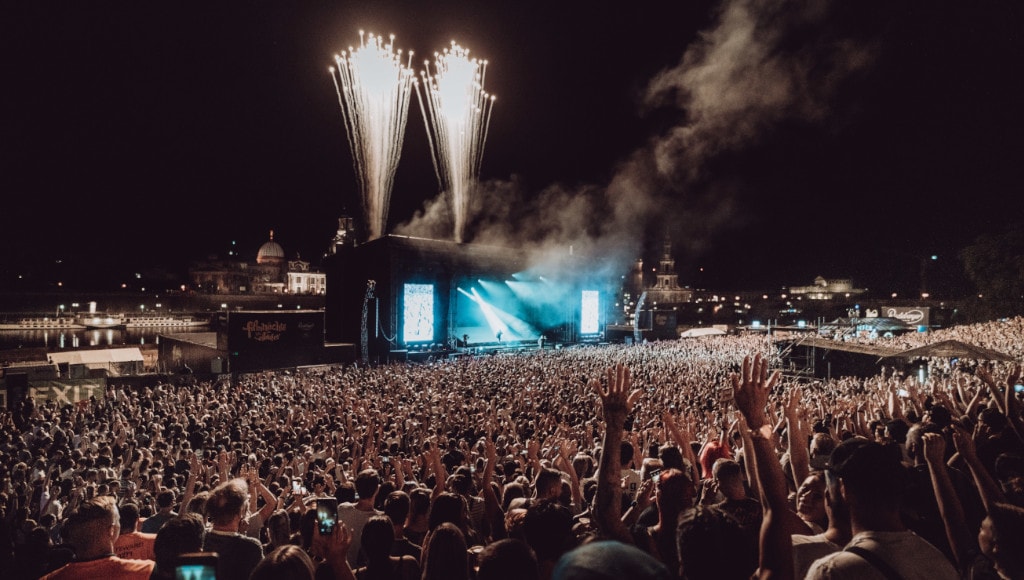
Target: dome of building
270,252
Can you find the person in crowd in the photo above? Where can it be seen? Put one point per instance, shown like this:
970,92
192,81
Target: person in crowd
607,560
378,542
165,506
132,544
355,514
507,559
417,525
547,527
870,480
179,535
445,554
396,508
286,562
91,530
279,531
237,554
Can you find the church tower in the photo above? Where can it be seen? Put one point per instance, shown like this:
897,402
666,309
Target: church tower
667,290
667,277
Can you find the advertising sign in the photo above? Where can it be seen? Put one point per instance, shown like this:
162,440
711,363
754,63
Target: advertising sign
912,315
273,339
64,392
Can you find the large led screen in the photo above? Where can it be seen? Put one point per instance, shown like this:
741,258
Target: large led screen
589,313
419,313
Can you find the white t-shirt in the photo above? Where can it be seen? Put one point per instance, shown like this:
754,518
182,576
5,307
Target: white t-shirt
807,549
907,553
632,479
354,520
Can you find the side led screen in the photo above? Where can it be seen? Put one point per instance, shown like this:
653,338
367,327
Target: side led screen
419,313
589,312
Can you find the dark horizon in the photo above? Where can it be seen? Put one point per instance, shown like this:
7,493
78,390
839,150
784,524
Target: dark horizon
833,140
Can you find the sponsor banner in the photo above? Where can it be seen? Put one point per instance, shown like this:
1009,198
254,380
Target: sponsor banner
271,339
912,315
272,329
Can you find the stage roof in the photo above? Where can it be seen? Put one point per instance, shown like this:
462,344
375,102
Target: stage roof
953,349
880,324
871,349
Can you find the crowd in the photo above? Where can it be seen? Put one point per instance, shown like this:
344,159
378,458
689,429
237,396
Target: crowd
1004,335
684,459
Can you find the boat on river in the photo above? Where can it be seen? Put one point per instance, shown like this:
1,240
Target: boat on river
93,319
41,323
164,321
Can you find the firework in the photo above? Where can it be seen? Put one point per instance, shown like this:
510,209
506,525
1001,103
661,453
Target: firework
457,113
373,87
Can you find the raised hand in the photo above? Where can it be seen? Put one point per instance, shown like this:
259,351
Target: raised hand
490,452
792,408
964,443
645,494
934,448
616,399
751,389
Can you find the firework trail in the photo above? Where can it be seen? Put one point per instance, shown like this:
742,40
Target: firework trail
457,114
373,89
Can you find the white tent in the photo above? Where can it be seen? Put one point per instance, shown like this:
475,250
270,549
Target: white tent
702,331
116,361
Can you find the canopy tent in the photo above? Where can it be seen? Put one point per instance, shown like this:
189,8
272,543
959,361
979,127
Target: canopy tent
96,357
114,361
952,349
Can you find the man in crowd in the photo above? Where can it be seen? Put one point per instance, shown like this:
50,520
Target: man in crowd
132,544
91,530
870,481
165,507
237,554
355,514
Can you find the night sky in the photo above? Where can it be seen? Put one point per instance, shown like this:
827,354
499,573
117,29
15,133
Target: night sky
773,144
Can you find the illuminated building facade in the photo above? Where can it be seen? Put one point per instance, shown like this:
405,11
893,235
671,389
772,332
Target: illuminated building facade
271,273
825,289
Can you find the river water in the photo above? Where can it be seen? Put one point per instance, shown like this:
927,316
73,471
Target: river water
57,340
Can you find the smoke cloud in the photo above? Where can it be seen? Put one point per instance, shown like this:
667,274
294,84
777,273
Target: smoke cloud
762,64
756,66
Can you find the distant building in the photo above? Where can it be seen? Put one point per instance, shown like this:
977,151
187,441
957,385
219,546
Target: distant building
301,280
662,294
271,273
824,289
666,290
344,237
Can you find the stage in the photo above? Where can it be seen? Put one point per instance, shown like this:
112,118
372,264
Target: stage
440,296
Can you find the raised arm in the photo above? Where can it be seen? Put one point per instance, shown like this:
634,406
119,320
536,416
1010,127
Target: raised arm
491,504
195,466
269,501
682,438
751,395
799,454
566,451
433,458
616,403
950,508
987,487
997,395
749,457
